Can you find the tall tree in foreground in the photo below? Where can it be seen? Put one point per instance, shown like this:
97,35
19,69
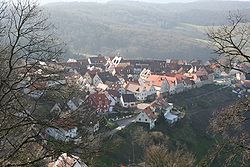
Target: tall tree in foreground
24,45
231,125
231,43
26,49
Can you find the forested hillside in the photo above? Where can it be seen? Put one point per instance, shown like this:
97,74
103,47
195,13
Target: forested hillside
141,30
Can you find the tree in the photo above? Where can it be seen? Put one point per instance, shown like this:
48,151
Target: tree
231,125
27,54
231,43
159,156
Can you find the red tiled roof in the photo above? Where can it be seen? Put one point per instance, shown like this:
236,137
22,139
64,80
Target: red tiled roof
156,80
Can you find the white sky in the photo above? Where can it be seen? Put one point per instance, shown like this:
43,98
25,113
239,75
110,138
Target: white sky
102,1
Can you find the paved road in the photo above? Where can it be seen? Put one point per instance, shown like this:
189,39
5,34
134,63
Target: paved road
121,125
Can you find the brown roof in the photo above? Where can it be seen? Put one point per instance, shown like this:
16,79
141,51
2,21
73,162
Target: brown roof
159,102
114,93
134,88
100,101
92,73
149,113
201,71
65,123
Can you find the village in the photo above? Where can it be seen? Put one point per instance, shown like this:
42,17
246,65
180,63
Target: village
121,91
129,90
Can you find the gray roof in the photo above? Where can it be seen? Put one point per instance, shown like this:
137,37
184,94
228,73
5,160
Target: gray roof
107,77
128,98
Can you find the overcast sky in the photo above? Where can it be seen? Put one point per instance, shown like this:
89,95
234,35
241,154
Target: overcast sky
48,1
162,1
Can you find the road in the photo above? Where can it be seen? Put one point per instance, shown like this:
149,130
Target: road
121,125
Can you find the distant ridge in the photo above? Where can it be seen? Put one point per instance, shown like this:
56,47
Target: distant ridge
141,30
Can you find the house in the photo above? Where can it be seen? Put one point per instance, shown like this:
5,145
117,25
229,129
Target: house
159,82
100,102
112,63
67,161
59,108
112,99
145,73
115,95
210,72
117,87
188,83
159,105
139,91
151,92
171,118
97,60
194,80
205,74
79,66
128,100
172,82
102,86
204,80
157,66
63,129
176,82
89,75
73,77
237,74
201,72
105,78
186,69
74,103
124,71
147,116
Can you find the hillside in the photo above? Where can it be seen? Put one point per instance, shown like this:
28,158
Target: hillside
141,30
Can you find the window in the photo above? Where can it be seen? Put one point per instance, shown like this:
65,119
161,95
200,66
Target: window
139,119
146,120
